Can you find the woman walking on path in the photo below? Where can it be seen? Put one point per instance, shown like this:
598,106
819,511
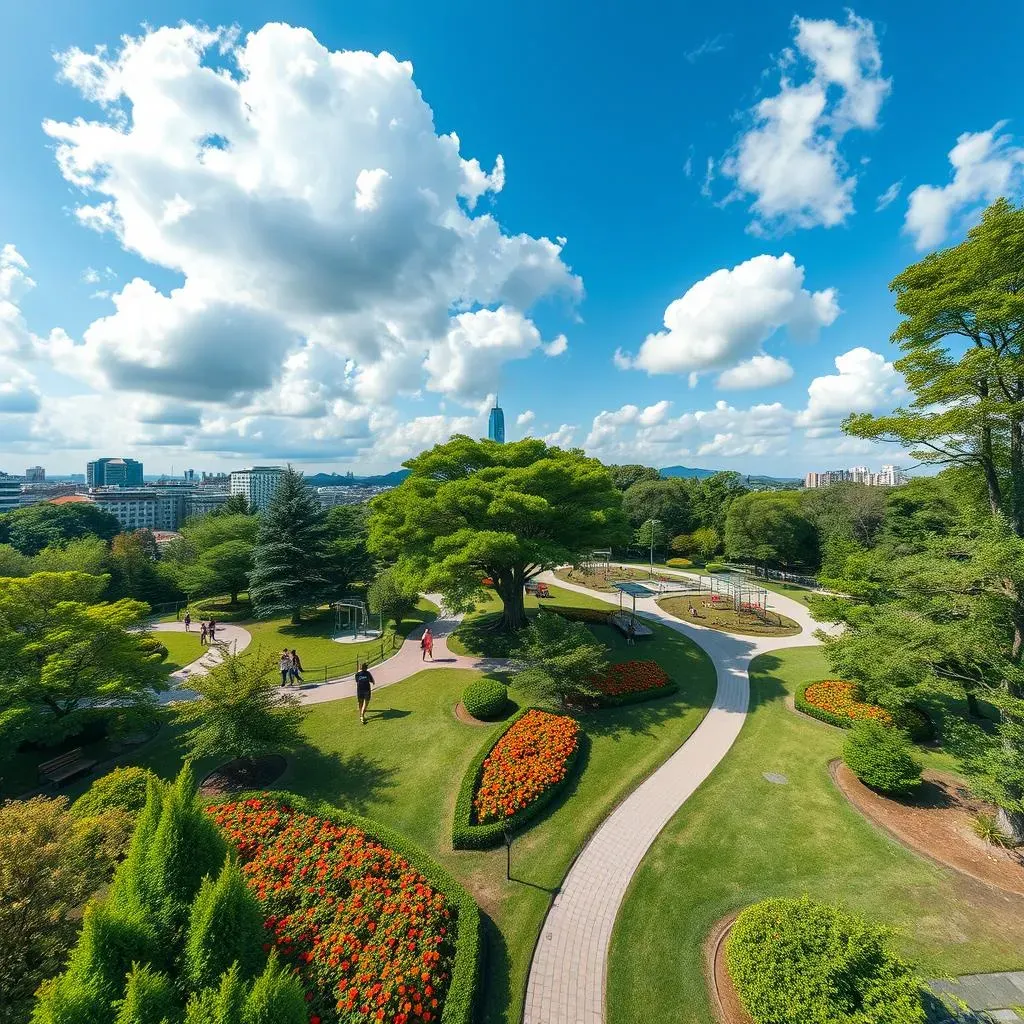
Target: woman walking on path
364,683
284,663
427,645
296,668
202,632
213,630
188,623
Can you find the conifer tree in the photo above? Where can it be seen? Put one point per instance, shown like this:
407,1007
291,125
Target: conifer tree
291,552
275,998
149,998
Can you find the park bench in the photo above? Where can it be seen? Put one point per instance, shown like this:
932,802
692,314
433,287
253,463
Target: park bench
621,621
65,767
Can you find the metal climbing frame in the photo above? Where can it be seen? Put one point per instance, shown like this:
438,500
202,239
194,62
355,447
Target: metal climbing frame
740,592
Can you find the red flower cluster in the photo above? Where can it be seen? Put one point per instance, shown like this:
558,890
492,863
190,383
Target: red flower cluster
532,756
838,697
632,677
367,935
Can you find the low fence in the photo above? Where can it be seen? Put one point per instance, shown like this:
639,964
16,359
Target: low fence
381,650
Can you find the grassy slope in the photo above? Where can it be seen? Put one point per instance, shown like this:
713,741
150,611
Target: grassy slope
405,766
741,839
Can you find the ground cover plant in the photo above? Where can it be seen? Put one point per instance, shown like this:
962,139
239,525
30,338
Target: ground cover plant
797,960
367,932
838,702
814,842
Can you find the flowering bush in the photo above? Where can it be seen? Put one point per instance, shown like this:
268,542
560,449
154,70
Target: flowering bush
531,756
370,937
629,679
837,701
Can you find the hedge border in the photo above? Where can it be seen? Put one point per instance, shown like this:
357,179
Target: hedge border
639,697
923,735
466,835
463,996
596,616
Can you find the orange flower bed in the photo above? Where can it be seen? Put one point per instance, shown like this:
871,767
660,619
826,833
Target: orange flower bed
533,755
632,677
368,935
838,698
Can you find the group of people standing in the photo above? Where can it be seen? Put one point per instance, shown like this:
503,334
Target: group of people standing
291,667
207,630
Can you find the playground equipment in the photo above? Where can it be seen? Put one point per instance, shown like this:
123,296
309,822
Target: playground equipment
352,622
596,563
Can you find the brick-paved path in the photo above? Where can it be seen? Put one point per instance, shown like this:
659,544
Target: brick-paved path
569,970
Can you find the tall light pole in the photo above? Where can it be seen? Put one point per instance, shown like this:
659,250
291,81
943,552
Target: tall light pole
653,522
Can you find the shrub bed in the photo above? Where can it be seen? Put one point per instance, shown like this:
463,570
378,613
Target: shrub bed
679,563
374,930
516,775
593,615
485,698
795,960
629,682
879,756
838,702
220,612
122,789
715,567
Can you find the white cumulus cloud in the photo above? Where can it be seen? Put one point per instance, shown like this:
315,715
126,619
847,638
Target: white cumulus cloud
985,166
790,159
757,372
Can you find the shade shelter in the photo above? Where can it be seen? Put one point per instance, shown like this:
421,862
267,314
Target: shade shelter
626,616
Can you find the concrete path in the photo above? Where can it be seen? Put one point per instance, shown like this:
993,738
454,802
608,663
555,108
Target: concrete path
568,975
230,638
989,997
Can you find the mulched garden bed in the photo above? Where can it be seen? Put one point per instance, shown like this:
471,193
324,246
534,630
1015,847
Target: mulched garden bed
467,719
239,774
725,1000
937,823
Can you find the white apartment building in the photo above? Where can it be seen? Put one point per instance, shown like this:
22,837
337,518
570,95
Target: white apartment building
142,508
258,484
887,476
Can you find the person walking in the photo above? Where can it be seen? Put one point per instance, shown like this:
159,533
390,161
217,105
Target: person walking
284,663
213,630
188,622
427,645
296,668
364,683
202,632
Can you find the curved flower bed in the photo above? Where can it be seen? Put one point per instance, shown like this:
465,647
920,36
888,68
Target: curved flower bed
629,682
514,777
372,934
836,701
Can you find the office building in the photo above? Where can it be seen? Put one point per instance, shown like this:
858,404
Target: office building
887,476
10,492
35,475
258,484
141,508
114,473
203,501
496,424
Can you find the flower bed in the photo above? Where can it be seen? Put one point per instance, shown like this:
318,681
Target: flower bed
631,681
374,931
514,777
837,702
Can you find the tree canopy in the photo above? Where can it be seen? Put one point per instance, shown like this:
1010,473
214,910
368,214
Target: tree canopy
31,529
475,509
769,527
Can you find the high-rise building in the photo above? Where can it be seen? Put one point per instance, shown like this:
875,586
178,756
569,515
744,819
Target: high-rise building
258,484
114,473
10,493
35,475
496,424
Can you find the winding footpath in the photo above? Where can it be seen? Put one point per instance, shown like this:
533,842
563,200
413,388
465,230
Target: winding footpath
568,976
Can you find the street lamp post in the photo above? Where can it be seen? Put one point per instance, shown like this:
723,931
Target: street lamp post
653,522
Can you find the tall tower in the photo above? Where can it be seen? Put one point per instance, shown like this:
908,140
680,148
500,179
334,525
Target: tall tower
496,423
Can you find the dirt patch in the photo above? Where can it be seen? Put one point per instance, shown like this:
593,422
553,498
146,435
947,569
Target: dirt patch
937,823
700,610
467,719
241,774
725,1000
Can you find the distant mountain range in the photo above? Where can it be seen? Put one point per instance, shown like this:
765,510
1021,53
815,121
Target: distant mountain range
702,474
343,480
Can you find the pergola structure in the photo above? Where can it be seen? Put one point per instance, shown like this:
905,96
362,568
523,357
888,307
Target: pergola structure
625,619
352,622
744,595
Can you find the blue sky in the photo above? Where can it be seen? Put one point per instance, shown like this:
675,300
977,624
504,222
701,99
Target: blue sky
289,262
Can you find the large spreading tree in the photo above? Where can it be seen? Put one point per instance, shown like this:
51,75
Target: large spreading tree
290,557
957,602
471,510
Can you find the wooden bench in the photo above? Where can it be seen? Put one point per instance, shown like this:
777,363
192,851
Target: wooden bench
65,767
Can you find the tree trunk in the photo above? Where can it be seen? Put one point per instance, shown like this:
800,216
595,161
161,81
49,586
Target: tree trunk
510,590
296,615
973,709
1012,823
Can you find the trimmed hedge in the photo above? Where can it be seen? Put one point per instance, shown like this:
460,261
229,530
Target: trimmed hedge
485,698
123,789
909,718
460,1002
715,567
638,698
679,563
880,757
220,613
796,960
468,836
597,616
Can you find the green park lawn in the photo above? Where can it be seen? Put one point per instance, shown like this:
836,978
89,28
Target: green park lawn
405,766
182,649
740,839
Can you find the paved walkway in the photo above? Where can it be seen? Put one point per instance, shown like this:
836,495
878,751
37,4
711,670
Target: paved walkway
569,971
990,997
230,638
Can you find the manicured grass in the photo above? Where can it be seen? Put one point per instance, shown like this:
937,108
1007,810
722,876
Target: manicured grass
323,658
728,619
182,649
404,768
740,839
801,594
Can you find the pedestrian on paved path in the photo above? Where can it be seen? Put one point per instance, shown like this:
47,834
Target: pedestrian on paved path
188,622
427,645
364,683
296,668
202,632
213,630
284,663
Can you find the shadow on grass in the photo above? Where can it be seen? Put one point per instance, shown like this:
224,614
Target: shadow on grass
479,637
495,981
353,782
